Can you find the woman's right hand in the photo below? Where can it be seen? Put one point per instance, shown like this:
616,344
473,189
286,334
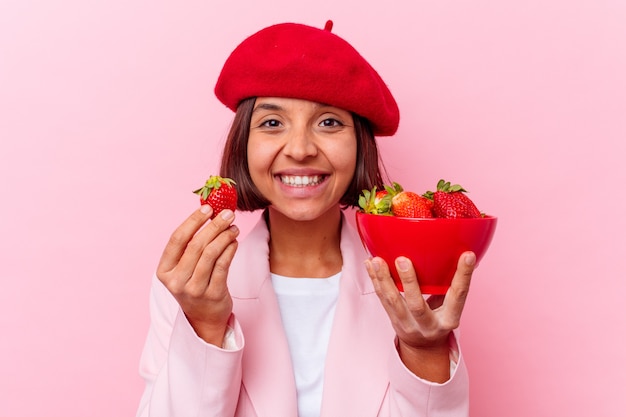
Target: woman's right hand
194,267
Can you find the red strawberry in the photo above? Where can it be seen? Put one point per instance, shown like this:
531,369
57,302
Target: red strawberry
375,202
408,203
450,202
219,193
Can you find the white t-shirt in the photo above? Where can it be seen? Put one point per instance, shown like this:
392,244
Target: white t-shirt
307,308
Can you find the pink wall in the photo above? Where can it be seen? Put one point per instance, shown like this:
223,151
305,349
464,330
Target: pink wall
107,122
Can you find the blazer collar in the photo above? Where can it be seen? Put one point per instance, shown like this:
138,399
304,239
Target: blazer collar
253,252
353,383
250,268
356,374
267,371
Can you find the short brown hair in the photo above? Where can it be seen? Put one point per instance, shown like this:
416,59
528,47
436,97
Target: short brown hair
368,173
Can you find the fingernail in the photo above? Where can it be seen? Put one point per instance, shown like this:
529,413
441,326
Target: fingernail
375,265
227,214
205,208
402,264
470,259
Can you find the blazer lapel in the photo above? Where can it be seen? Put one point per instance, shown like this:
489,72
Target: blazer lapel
356,372
267,370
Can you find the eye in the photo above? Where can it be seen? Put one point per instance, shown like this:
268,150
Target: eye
330,122
270,123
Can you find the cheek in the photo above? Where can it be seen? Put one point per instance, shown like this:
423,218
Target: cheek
259,159
252,154
346,160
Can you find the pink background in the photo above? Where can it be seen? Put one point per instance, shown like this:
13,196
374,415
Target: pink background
108,121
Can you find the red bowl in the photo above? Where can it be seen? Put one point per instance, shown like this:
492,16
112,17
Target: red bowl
433,245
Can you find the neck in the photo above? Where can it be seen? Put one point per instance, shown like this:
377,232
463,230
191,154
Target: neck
305,248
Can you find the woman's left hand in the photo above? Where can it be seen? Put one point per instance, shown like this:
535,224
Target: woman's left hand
423,325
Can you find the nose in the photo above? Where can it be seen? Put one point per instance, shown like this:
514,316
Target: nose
300,143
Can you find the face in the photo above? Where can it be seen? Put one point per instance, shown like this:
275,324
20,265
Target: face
301,155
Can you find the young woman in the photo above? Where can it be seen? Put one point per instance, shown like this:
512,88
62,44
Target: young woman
296,320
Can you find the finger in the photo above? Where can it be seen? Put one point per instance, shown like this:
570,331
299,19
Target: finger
205,267
412,293
218,282
180,238
196,247
386,289
378,271
408,276
456,296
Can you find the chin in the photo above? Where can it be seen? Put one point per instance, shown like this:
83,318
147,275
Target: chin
306,213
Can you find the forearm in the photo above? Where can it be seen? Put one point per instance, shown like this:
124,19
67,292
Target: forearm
429,363
212,334
414,394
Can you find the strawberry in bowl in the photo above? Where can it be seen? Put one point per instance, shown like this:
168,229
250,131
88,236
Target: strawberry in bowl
432,231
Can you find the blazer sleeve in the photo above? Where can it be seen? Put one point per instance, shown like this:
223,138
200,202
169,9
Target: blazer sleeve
183,374
411,395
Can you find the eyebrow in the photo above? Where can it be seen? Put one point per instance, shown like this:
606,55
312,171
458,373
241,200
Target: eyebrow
267,106
276,107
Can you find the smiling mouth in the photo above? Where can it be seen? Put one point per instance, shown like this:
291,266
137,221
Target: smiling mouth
302,180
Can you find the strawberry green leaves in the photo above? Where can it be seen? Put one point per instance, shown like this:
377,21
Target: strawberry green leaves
448,201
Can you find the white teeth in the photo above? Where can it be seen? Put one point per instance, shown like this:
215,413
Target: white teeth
300,181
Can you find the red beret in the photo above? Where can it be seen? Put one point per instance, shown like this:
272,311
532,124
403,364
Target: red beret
299,61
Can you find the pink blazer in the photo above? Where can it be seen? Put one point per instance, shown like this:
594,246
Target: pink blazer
363,375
